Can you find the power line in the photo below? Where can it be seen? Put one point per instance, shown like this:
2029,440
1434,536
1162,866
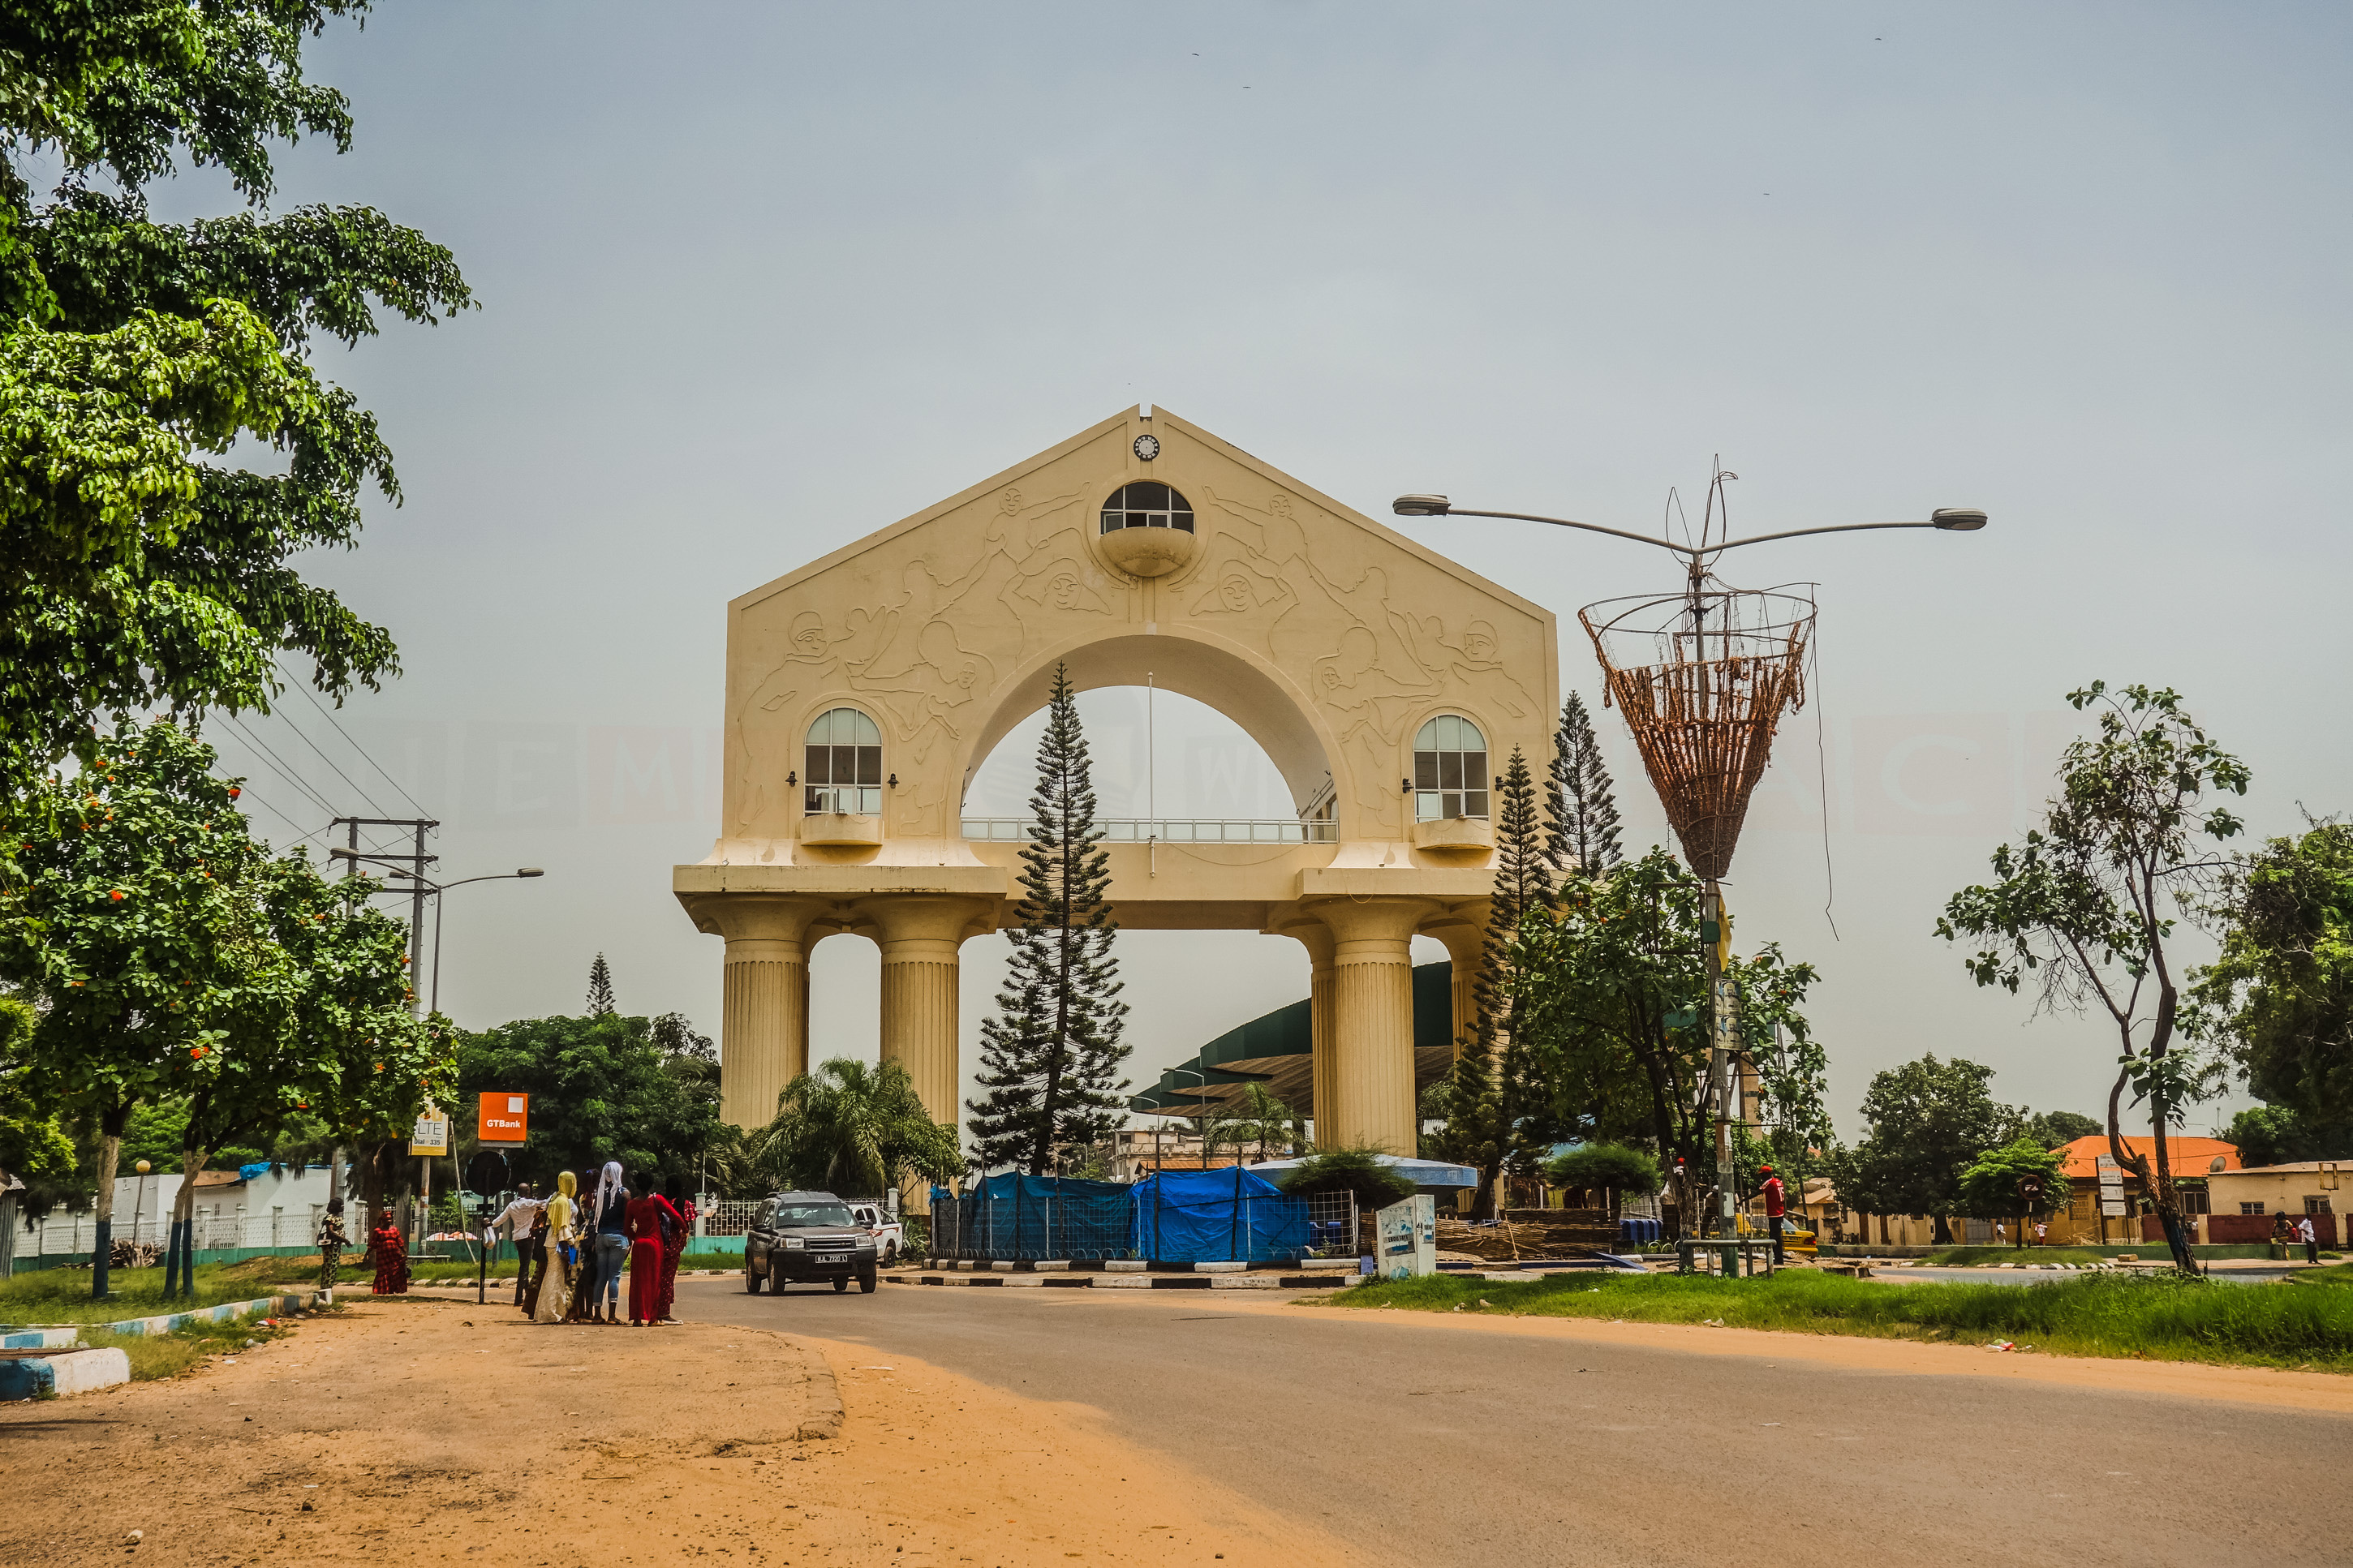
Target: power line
247,790
304,687
330,762
279,765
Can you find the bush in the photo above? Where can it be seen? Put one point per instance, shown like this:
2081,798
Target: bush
1615,1166
1359,1171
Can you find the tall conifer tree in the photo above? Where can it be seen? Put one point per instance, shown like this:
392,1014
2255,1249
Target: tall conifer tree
600,989
1497,1110
1580,805
1051,1055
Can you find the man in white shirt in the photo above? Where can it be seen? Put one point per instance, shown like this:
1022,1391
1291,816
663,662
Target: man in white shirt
517,1220
2310,1237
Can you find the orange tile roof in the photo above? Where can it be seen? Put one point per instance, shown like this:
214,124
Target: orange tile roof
2189,1156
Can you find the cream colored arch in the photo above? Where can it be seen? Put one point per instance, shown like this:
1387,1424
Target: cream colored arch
1268,705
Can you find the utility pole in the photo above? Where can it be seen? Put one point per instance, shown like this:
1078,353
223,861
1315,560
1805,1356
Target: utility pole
416,862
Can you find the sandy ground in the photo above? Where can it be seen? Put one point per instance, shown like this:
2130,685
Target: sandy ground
406,1430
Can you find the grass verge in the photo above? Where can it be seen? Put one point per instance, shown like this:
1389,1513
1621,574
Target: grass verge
168,1355
2158,1317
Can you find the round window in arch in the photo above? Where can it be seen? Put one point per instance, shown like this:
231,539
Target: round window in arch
844,769
1147,504
1450,770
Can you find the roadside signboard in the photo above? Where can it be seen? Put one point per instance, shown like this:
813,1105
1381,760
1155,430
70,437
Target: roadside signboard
431,1133
2112,1210
1407,1233
501,1119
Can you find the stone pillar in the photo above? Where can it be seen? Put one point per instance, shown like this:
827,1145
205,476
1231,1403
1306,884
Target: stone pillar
1370,1082
920,935
1465,935
764,1025
1318,938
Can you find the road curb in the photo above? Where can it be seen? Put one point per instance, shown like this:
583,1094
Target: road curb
1135,1281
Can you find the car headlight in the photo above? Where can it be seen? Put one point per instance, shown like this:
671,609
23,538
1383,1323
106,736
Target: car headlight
866,1244
793,1244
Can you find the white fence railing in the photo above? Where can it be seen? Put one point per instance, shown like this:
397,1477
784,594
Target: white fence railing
60,1235
1171,830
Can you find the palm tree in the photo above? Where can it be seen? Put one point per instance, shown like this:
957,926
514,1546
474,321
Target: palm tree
853,1129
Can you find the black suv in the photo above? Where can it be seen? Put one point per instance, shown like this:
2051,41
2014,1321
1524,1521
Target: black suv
803,1238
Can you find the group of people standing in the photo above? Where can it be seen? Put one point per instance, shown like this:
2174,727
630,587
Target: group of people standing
574,1250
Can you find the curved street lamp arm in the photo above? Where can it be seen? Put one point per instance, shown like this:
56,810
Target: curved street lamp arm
1597,528
1832,527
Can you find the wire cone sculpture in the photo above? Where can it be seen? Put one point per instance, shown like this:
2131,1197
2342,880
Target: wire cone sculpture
1703,678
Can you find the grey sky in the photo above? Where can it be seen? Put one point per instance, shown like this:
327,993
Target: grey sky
757,281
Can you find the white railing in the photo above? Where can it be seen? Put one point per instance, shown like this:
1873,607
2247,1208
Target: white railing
1170,830
60,1235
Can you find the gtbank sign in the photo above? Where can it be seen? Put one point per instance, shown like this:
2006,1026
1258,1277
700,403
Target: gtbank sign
502,1118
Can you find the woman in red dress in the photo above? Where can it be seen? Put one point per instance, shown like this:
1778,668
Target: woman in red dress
645,1219
391,1256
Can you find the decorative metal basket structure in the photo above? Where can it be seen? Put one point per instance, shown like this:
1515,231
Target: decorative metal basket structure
1703,678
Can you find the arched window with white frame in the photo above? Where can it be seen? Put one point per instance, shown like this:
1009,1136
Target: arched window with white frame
844,771
1450,770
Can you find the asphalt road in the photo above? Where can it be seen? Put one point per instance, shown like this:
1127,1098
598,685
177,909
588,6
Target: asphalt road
1422,1442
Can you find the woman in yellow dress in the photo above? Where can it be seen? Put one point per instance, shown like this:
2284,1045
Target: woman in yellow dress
563,1253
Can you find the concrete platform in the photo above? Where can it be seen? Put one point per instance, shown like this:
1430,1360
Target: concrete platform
71,1371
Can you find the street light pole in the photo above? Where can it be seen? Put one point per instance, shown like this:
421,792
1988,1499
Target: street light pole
1719,1007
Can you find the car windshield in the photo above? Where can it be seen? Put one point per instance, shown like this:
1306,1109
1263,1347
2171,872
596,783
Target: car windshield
791,1214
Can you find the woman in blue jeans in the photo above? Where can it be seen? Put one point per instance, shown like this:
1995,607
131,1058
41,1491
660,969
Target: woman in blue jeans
612,1242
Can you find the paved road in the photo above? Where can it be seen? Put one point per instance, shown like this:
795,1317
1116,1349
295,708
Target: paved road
1494,1448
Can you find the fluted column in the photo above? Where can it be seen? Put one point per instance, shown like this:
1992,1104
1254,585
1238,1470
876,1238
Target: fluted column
1316,938
920,935
1370,1082
1465,938
764,1023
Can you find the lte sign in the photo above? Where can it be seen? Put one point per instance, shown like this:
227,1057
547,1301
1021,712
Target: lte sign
502,1118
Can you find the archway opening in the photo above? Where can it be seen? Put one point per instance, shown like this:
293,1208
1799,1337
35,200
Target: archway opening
1156,754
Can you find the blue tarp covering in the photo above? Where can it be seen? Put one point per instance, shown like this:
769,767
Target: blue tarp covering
1014,1216
1216,1216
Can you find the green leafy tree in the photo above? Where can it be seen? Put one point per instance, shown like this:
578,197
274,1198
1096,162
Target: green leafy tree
2279,997
1995,1185
1261,1120
1498,1109
1928,1120
2085,906
131,352
601,1089
1051,1054
1580,802
2282,1135
600,989
34,1147
853,1130
1616,1168
117,923
2053,1127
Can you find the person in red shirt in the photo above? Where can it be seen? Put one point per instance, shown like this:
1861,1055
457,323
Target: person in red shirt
1772,1211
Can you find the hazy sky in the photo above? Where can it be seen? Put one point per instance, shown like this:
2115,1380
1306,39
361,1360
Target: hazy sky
758,280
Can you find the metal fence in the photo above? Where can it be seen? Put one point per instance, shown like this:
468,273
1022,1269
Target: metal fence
1333,1222
1170,830
64,1235
1028,1226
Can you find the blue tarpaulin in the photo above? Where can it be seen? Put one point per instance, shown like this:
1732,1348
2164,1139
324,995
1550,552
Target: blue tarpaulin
1012,1216
1216,1216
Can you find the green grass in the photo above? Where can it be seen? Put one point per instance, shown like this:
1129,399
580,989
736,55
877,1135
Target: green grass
2160,1317
1986,1257
62,1295
168,1355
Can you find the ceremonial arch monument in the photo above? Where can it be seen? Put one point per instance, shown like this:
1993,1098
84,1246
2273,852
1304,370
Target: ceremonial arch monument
1387,683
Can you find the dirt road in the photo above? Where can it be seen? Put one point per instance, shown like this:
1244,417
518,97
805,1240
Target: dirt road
411,1429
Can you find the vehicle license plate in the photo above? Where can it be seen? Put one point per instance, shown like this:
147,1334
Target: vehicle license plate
835,1258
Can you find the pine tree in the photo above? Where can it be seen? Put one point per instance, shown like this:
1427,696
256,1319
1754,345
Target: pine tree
1580,808
1497,1113
1051,1055
600,989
